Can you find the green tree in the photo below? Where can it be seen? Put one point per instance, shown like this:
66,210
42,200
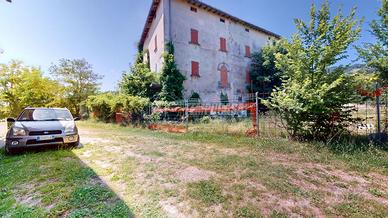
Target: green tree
171,79
376,55
79,80
312,98
23,86
263,73
138,82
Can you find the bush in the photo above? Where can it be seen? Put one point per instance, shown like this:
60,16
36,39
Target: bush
195,99
224,98
205,119
104,106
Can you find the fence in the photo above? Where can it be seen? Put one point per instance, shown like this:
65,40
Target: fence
240,115
371,112
245,115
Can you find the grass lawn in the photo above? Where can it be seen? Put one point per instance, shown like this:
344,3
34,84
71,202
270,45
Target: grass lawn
124,171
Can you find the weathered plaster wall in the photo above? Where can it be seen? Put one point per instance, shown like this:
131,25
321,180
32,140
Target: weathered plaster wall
207,53
157,29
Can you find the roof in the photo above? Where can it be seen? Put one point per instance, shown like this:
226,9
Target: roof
200,4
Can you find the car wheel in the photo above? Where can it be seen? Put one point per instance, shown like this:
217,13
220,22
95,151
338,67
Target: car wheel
10,151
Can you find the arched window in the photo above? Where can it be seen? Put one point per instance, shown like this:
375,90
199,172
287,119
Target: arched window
224,77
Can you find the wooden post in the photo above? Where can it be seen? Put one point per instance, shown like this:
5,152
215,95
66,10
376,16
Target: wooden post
378,110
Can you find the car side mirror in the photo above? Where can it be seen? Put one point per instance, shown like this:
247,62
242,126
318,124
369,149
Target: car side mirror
77,118
11,120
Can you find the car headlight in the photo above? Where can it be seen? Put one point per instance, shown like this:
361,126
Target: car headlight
70,129
18,131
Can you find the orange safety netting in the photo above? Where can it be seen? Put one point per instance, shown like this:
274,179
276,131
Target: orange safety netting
208,109
375,93
251,107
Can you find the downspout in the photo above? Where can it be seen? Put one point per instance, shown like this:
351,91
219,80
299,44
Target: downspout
169,20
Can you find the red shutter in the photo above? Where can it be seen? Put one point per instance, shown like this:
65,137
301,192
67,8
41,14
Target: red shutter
222,44
194,36
224,77
194,68
247,51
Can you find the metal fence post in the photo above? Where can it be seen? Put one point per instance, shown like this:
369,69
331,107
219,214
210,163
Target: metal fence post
378,109
187,114
257,114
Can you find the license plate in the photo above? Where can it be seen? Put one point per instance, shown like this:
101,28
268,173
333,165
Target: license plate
44,138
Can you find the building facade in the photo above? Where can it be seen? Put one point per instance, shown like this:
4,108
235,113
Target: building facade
212,48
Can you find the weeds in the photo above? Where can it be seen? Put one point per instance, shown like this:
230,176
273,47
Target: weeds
208,192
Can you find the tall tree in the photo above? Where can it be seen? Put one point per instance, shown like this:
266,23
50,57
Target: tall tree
79,80
171,79
138,82
376,55
312,98
23,86
264,76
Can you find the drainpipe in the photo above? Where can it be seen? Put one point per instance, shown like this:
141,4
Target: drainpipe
169,20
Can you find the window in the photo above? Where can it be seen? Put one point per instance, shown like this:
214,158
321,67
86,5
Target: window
194,69
246,30
193,9
247,51
194,36
223,44
156,43
222,20
224,77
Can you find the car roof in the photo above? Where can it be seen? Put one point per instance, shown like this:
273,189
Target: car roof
55,108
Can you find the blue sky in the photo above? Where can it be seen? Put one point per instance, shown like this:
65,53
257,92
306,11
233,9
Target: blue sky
40,32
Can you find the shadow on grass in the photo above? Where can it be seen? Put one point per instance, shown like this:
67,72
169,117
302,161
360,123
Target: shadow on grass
50,182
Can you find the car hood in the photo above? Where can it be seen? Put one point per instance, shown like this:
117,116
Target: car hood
44,125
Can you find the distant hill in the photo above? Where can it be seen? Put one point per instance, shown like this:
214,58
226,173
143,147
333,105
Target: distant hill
354,68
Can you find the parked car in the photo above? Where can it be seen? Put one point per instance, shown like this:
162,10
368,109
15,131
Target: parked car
41,127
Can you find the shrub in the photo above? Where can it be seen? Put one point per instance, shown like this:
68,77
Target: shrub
195,99
205,119
104,106
224,98
100,106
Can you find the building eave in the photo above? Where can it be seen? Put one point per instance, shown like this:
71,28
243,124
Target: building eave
200,4
150,18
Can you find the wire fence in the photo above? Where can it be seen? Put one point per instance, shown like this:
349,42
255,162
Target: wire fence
246,115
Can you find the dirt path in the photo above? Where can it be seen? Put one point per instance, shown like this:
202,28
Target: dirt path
192,179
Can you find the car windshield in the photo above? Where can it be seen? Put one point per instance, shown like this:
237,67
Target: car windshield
45,115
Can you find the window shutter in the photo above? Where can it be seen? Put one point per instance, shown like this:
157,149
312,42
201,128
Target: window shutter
194,68
222,44
247,51
194,36
224,77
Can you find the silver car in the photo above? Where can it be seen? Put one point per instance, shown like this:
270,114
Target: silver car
41,127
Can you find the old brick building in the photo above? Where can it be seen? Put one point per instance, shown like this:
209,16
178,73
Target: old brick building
212,48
